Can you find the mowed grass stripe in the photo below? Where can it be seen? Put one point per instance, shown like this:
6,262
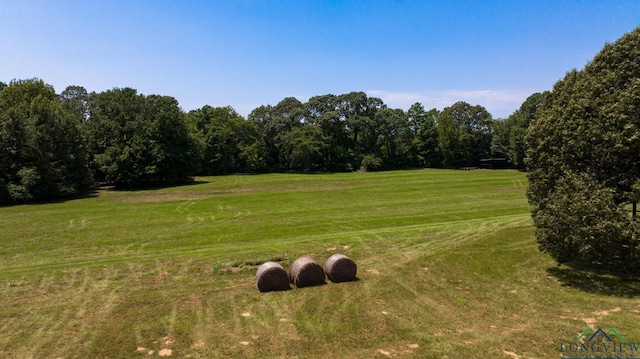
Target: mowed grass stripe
448,266
144,225
226,252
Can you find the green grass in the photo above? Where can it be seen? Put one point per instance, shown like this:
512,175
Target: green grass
448,267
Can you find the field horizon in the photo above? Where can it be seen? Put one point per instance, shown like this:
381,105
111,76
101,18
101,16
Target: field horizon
448,267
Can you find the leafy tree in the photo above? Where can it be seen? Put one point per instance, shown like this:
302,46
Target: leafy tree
177,155
370,163
115,118
328,113
336,146
303,148
515,129
500,138
425,139
42,155
358,111
394,137
250,148
76,98
317,106
583,147
450,142
274,122
139,141
216,138
582,222
464,134
228,142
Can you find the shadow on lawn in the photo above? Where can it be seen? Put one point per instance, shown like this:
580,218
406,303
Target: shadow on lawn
92,193
596,281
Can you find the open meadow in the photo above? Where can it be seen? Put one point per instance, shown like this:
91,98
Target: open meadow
448,267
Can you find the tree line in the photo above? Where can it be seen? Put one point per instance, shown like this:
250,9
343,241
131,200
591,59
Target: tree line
60,145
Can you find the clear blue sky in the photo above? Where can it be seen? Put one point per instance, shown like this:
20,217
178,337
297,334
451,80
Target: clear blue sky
250,53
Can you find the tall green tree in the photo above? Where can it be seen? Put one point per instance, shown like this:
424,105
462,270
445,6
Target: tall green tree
139,141
228,142
327,113
425,151
274,122
317,106
464,134
115,138
337,151
394,137
583,147
303,148
76,99
42,154
501,131
177,154
516,126
358,111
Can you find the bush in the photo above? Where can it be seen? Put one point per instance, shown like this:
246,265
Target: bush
581,222
370,163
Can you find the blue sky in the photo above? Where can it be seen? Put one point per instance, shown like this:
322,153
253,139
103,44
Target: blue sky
250,53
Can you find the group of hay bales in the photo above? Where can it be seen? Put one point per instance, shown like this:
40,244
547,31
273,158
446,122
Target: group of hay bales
305,272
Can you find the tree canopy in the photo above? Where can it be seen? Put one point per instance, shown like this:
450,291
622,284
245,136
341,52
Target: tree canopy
465,133
583,161
42,153
138,140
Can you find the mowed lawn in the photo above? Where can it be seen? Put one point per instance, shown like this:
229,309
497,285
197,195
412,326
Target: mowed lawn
448,267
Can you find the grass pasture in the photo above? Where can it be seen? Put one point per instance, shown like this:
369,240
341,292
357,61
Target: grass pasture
448,267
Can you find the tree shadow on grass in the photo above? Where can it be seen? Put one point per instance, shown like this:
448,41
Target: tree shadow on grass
91,193
594,281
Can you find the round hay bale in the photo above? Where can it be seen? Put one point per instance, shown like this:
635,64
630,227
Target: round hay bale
305,272
271,276
340,268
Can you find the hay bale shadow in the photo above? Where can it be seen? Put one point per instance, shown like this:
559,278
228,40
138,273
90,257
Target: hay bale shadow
305,272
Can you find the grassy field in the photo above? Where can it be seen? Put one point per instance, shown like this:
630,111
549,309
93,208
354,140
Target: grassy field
448,267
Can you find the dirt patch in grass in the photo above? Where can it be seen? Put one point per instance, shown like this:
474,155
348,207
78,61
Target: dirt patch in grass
158,197
165,352
512,354
607,312
599,315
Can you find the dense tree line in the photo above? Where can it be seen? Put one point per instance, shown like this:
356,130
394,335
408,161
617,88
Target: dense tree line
136,140
58,145
42,151
584,165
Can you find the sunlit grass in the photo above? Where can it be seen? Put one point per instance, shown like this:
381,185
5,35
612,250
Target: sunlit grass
447,265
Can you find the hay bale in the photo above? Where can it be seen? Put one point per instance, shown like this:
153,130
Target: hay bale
305,272
271,276
340,268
